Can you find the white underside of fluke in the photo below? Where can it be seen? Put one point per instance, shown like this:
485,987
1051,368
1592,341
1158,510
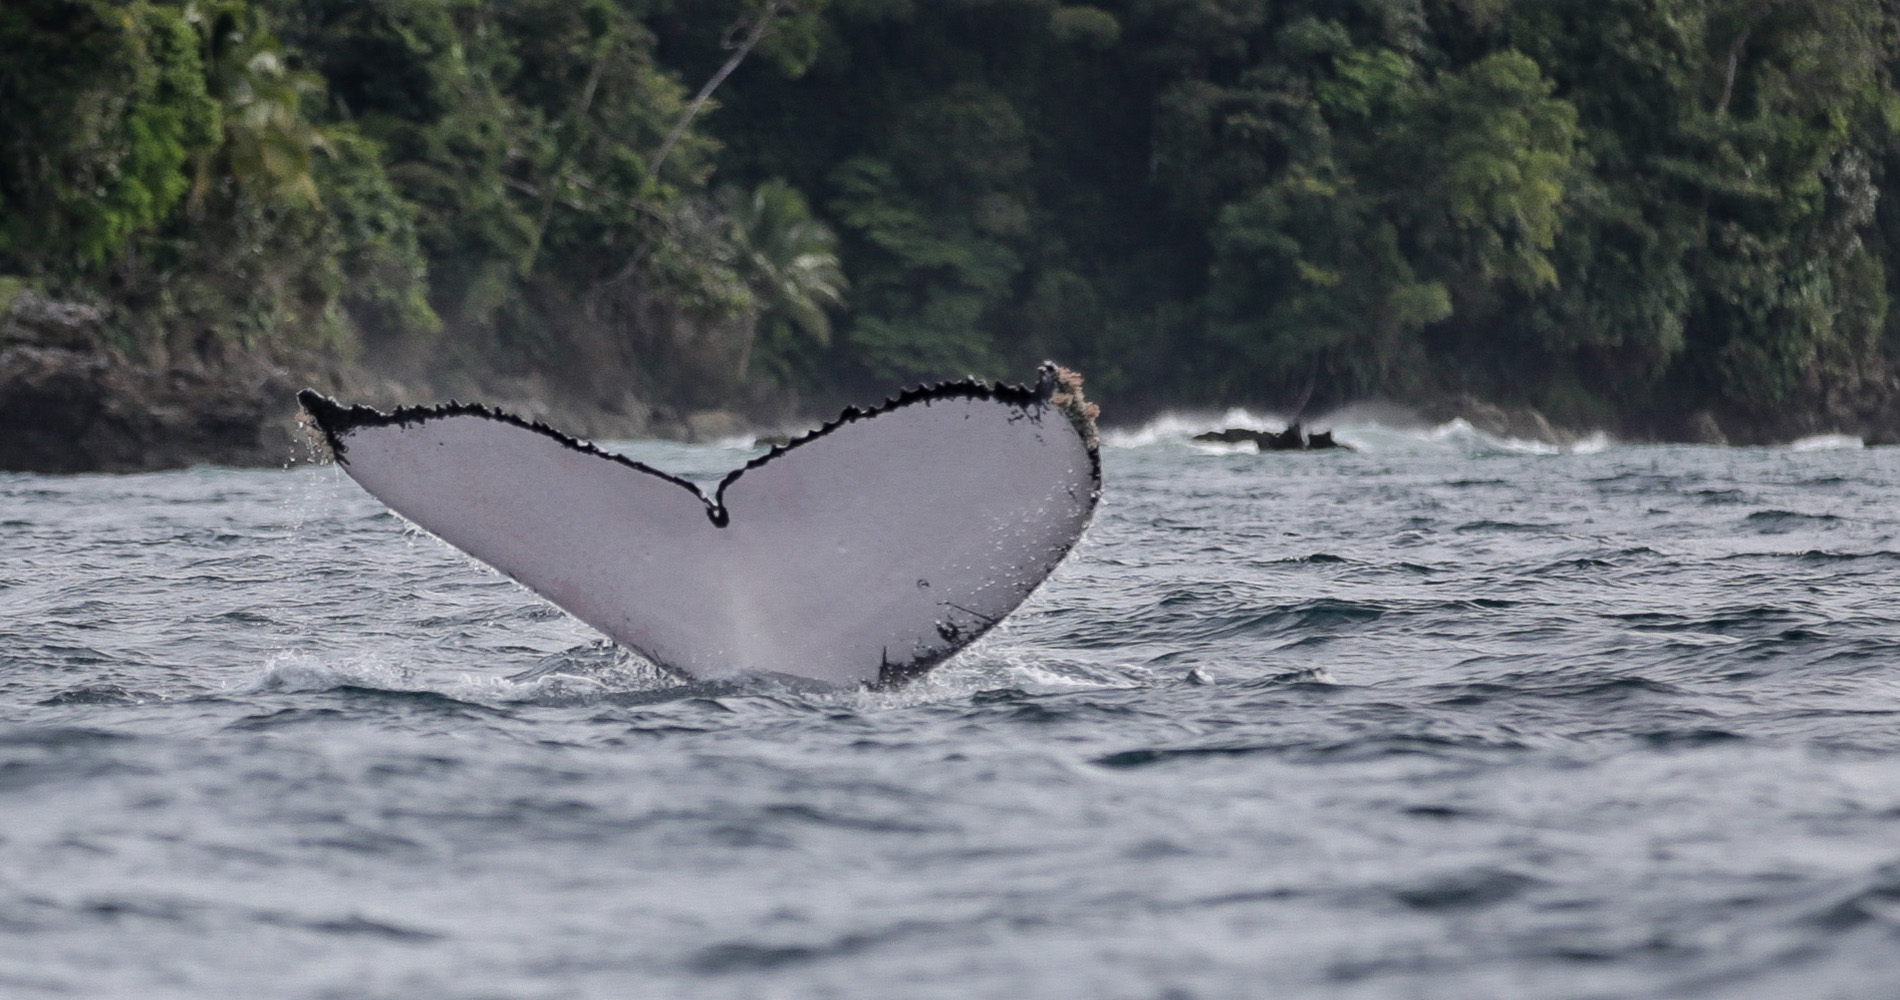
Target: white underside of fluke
863,553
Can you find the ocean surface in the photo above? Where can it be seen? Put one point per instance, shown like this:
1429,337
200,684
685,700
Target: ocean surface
1445,717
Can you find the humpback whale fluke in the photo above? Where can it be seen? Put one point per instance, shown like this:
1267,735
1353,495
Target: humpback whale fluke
864,552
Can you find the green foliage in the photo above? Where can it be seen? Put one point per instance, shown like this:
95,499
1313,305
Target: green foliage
1498,153
384,274
1085,25
101,107
520,132
790,262
1392,187
1707,256
1310,277
794,37
924,280
1634,207
268,145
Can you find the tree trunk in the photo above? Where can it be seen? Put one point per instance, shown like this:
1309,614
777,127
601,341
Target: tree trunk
699,101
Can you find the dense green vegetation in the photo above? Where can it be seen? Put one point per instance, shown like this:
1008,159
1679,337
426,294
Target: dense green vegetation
1621,211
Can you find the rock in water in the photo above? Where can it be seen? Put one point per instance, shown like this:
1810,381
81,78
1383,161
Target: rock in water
865,552
1291,439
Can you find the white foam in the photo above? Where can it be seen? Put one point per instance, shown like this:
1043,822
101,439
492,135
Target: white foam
1372,429
583,676
1225,448
559,683
1467,438
302,672
1592,444
1827,442
1173,428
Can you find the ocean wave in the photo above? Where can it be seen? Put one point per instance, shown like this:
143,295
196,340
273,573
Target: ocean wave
1178,428
1827,442
1374,430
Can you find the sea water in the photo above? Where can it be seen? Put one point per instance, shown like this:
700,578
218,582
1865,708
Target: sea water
1443,717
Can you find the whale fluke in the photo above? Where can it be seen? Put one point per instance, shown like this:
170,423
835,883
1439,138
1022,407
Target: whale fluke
865,552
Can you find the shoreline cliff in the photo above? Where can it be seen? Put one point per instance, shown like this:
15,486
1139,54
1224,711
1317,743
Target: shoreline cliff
71,403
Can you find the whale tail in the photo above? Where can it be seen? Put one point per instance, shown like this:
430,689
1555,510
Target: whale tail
864,552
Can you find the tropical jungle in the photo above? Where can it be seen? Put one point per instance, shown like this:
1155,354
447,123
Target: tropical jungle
1662,218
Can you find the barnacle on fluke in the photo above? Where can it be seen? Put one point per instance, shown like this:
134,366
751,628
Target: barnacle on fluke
866,551
1067,397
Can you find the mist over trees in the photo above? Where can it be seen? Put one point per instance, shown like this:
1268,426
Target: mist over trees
1623,212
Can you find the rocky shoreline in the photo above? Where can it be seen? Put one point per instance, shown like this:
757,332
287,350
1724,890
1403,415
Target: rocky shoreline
68,403
71,403
1876,425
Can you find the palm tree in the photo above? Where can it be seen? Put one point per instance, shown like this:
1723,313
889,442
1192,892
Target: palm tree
788,259
268,143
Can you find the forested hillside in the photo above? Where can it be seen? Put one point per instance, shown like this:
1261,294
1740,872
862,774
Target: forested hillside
1658,216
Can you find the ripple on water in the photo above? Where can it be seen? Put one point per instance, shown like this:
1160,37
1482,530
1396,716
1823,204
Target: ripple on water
1781,522
1438,719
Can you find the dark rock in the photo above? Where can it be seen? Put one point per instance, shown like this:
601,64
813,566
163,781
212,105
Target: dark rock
33,319
707,426
1232,435
68,404
72,411
1520,423
1291,439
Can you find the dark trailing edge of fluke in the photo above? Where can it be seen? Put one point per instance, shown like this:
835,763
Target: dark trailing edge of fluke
747,611
336,420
